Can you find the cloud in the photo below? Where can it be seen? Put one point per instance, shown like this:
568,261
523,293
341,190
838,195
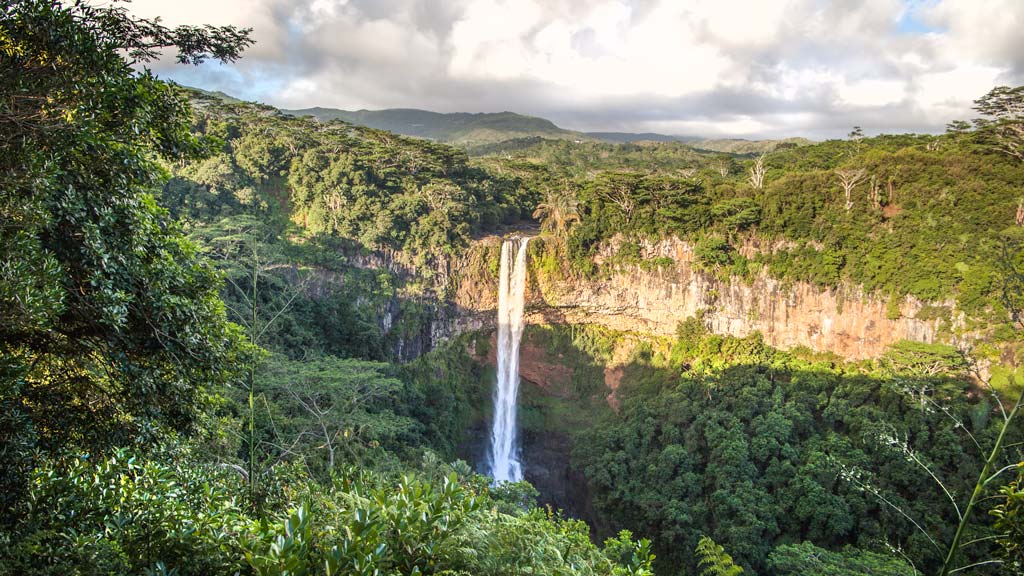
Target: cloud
707,67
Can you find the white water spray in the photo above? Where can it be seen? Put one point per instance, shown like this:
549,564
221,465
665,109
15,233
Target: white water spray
505,465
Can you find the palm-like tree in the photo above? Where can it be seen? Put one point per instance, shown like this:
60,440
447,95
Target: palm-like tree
558,212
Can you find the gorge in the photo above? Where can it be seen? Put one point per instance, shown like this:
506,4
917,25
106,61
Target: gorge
237,341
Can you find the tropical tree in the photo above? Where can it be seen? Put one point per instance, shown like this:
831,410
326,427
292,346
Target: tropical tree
757,172
849,178
1002,127
558,212
737,213
330,412
110,320
724,164
925,360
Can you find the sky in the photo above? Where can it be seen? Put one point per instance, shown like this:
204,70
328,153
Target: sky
712,68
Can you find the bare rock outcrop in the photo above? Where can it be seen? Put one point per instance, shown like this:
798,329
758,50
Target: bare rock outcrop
843,320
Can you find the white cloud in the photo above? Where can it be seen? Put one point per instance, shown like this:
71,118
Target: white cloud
490,40
944,94
983,31
744,67
746,24
872,92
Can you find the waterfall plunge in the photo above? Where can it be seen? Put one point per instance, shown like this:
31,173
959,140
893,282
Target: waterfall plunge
505,465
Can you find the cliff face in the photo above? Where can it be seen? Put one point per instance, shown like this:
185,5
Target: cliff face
843,320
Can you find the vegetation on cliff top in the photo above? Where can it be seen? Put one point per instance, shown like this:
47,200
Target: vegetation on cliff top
928,216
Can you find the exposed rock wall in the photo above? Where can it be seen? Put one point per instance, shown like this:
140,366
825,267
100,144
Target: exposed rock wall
841,320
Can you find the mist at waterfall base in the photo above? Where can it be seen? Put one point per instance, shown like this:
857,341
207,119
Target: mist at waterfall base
504,464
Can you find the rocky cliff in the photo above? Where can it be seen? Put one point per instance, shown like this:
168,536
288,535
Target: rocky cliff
842,320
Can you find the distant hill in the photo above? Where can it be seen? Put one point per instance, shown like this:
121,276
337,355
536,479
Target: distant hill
476,129
741,146
627,137
454,128
215,94
727,145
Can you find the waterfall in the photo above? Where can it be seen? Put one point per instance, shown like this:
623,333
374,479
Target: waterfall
505,465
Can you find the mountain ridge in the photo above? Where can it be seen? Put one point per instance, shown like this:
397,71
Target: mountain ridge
451,127
476,128
466,129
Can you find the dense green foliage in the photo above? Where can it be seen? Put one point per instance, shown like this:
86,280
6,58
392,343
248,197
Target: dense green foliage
384,192
1010,522
326,305
127,514
327,413
806,559
760,449
110,320
578,158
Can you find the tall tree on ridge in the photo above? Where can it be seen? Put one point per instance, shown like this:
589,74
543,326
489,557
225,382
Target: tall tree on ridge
1002,127
558,212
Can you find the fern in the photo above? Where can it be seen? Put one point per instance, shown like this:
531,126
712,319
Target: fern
713,560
